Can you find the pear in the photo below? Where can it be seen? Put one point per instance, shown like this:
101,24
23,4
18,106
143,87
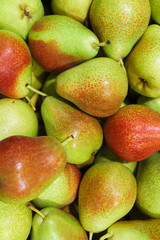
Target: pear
121,23
49,85
155,10
133,133
148,181
153,103
62,191
15,221
65,43
134,230
52,223
105,154
107,192
143,62
98,86
15,65
28,165
17,118
62,121
19,16
72,8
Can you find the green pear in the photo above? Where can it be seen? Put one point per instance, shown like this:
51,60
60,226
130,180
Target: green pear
49,85
142,63
28,165
120,23
105,154
62,191
148,183
107,192
65,43
98,86
19,16
15,66
155,10
153,103
72,8
53,223
17,118
62,121
15,221
134,230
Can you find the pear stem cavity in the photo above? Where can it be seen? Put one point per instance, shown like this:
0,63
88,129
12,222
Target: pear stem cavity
36,210
90,235
107,235
35,90
101,44
67,140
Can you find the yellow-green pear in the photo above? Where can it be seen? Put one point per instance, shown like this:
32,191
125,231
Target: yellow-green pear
143,62
155,10
77,9
17,118
120,24
15,221
153,103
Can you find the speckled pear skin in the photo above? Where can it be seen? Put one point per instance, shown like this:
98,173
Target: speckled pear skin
62,191
15,65
135,229
32,163
57,224
97,86
62,121
15,221
77,9
59,42
143,62
148,180
133,133
120,22
155,10
107,192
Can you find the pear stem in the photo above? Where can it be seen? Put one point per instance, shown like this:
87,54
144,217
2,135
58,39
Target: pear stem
90,235
101,44
122,64
30,102
107,235
67,140
35,90
36,210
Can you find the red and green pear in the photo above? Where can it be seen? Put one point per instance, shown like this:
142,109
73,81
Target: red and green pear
59,42
28,165
98,86
107,192
15,65
133,133
62,121
62,191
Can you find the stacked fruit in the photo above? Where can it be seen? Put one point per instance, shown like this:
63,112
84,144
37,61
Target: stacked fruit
80,120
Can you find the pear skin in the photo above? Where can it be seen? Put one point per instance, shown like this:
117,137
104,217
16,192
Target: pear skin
63,121
148,183
28,165
64,43
72,8
134,230
15,221
97,86
62,191
155,10
142,63
107,192
121,23
133,133
56,224
15,65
